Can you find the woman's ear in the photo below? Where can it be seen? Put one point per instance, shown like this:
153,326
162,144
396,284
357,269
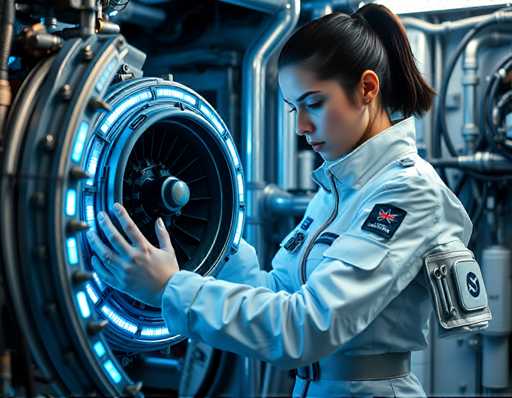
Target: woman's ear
370,86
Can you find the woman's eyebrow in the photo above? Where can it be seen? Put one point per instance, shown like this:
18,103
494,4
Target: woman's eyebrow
302,97
307,94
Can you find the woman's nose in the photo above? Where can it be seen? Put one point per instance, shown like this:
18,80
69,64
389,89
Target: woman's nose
304,124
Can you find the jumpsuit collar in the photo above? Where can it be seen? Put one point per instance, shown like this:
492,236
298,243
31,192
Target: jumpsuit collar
357,167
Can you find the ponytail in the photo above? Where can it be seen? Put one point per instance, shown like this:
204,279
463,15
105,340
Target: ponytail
408,91
341,47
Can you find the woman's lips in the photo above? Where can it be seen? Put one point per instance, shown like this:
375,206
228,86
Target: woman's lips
317,146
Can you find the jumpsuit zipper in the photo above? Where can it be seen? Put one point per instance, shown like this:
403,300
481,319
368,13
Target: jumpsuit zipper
328,222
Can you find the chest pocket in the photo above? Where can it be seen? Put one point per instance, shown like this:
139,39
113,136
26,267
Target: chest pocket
315,257
357,251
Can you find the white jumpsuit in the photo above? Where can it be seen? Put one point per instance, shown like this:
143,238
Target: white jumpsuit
348,280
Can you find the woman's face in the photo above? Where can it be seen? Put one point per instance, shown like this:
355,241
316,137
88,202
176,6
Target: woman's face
331,123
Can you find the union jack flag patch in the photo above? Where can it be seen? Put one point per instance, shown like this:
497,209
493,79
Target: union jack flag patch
384,220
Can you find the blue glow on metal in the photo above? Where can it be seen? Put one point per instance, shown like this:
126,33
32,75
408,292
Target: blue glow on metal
176,94
100,284
106,75
238,233
119,320
112,371
190,99
212,118
240,183
123,107
90,215
71,202
92,162
12,60
83,304
169,93
78,148
232,151
154,332
99,348
72,250
91,292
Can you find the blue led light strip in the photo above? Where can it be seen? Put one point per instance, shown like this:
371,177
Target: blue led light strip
78,148
238,233
119,320
83,304
212,118
72,250
99,348
128,103
112,371
154,332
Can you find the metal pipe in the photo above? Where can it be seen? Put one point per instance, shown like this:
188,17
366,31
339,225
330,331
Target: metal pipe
284,18
470,81
285,15
483,162
280,202
286,146
447,26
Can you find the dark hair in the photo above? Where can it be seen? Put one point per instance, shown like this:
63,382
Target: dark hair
341,47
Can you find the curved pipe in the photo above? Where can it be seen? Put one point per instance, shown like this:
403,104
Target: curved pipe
281,202
284,18
470,82
451,26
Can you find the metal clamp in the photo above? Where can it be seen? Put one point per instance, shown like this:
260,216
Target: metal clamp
440,273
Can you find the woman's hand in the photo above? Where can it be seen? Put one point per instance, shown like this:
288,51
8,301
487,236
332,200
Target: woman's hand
139,269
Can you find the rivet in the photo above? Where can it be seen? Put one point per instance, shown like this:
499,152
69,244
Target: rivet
48,142
98,103
133,389
65,92
78,173
88,53
76,226
80,277
94,327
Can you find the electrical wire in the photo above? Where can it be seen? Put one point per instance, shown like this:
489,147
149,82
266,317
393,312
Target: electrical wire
440,122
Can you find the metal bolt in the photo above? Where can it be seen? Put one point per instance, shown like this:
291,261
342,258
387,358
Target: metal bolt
133,389
94,327
65,92
88,53
77,173
76,226
79,277
98,103
48,142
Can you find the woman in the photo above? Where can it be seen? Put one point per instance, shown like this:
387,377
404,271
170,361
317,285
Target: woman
345,302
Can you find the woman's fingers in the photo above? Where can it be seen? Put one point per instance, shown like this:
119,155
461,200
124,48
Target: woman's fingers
129,227
102,272
108,258
164,239
117,241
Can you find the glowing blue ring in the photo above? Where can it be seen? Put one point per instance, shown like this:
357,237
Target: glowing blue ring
107,123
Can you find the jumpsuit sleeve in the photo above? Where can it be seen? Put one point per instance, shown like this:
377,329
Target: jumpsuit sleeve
360,274
243,267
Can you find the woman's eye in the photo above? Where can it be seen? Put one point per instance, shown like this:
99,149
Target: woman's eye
291,110
315,105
